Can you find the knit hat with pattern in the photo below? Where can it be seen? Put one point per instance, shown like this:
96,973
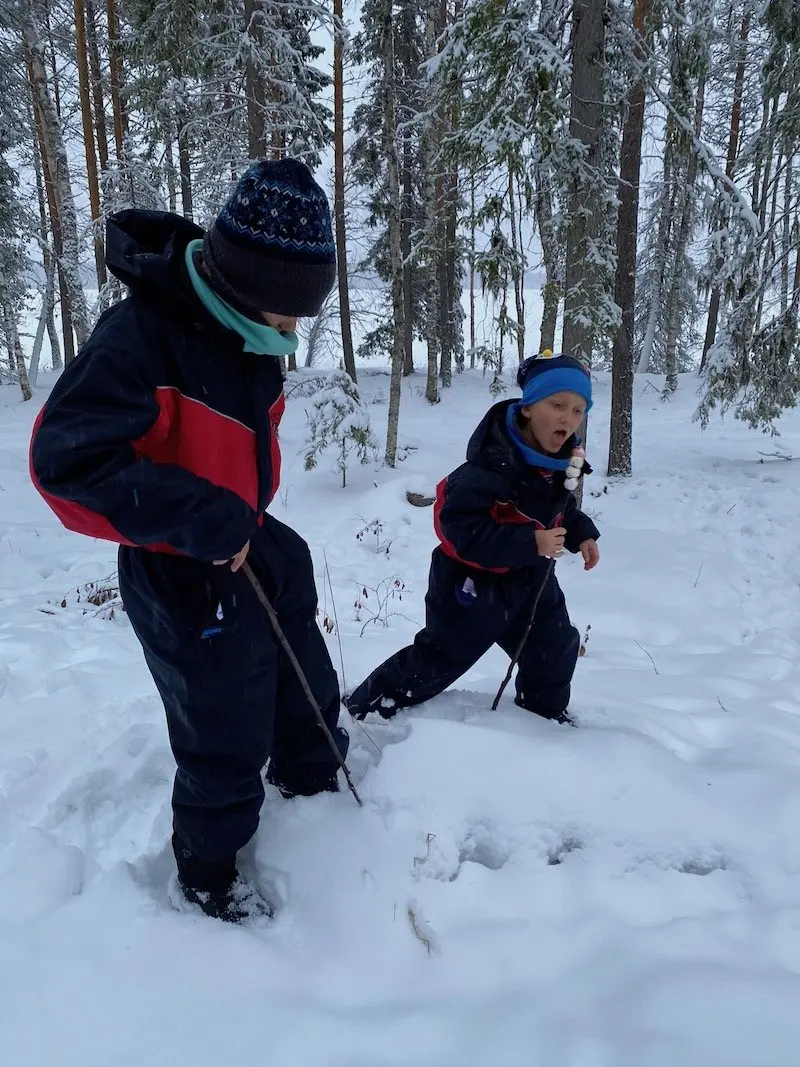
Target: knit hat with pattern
271,247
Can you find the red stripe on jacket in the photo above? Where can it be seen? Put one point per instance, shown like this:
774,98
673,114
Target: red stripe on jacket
190,435
446,544
204,442
74,517
502,512
275,416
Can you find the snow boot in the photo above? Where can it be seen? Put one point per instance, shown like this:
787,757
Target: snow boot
241,902
562,717
213,888
303,785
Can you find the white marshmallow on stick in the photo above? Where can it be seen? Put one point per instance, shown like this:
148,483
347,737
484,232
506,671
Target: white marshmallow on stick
573,471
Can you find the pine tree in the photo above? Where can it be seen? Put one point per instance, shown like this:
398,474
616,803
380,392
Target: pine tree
338,420
754,366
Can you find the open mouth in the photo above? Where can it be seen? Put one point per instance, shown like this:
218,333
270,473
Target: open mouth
560,436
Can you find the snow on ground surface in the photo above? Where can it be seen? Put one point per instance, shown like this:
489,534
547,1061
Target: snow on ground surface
514,893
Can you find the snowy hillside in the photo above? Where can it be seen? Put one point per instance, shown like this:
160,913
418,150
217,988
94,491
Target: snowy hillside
514,893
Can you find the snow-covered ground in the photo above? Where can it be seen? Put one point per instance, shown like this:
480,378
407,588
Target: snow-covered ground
513,893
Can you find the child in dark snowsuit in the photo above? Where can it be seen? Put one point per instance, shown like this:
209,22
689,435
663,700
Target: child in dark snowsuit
163,436
498,517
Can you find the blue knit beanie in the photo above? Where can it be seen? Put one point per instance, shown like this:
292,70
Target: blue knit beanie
542,376
271,247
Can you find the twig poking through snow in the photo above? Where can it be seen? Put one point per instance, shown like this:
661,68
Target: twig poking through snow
648,656
697,579
777,455
417,923
723,706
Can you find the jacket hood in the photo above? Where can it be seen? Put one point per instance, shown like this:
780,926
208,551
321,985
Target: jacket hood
145,250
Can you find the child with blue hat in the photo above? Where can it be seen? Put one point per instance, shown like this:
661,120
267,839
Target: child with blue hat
500,518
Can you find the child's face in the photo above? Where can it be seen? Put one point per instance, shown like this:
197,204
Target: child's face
282,323
548,423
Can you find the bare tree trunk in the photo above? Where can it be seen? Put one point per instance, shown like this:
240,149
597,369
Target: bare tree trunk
687,211
55,224
172,187
254,83
585,125
620,445
454,271
44,317
786,236
472,271
338,190
445,349
101,132
115,80
49,263
518,273
666,214
552,288
406,225
733,149
395,253
430,200
185,169
58,165
88,139
16,357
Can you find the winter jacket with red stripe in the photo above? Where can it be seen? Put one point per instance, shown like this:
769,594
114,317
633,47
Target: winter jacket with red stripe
162,433
487,511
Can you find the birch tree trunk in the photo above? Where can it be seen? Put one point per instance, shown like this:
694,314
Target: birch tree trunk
395,253
16,356
55,226
58,164
621,438
45,315
49,263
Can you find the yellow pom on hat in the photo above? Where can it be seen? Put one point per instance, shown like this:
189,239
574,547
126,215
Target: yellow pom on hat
547,354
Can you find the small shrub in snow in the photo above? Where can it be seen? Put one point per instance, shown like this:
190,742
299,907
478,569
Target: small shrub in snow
372,533
379,604
338,420
101,599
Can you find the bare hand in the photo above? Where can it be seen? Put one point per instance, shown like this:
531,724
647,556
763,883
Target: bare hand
237,560
550,543
590,553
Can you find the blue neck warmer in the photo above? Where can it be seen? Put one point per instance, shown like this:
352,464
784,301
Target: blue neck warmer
530,455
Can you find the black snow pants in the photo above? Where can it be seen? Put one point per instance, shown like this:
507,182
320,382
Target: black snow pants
231,696
466,612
